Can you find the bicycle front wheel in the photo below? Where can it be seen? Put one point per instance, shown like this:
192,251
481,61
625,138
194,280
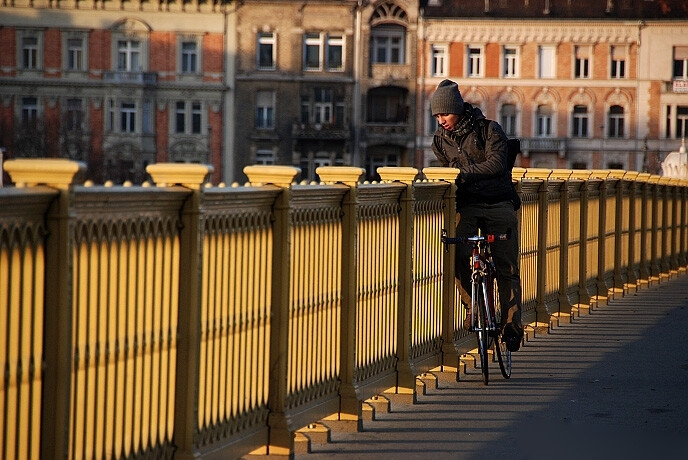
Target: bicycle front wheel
503,356
482,333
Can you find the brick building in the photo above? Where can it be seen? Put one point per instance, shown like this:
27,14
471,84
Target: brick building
584,84
118,85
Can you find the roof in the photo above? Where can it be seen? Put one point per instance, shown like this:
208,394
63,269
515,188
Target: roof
557,9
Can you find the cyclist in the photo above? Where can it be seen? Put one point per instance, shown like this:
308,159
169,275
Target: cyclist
485,197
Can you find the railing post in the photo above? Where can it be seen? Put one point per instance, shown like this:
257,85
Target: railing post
281,440
57,346
655,235
564,222
189,323
541,280
406,380
645,251
350,405
449,277
601,287
583,294
683,231
629,181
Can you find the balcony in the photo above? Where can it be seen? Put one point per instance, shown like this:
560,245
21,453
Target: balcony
677,86
136,78
319,131
385,133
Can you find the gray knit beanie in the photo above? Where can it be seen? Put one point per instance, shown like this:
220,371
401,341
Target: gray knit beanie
447,99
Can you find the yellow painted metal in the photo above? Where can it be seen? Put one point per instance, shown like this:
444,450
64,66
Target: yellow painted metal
124,248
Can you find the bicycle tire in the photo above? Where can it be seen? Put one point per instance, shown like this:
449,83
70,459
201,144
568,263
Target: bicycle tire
482,334
503,357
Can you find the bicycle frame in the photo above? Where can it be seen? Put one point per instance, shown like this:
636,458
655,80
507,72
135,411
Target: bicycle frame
484,299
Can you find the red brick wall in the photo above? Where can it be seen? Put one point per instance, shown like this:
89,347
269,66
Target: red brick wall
52,53
529,53
213,52
8,57
163,54
600,61
492,55
456,51
564,61
99,54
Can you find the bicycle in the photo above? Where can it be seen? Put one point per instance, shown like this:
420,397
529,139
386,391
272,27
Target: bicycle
485,305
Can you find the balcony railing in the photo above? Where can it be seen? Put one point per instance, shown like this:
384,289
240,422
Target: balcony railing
139,78
200,321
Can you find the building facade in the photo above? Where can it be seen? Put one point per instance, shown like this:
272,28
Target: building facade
118,85
585,84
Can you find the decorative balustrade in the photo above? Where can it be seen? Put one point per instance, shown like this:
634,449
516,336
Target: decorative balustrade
191,320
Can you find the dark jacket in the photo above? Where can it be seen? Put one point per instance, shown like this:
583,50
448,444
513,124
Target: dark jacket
485,176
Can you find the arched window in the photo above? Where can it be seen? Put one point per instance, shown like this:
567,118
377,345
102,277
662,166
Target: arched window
615,121
543,121
580,121
507,119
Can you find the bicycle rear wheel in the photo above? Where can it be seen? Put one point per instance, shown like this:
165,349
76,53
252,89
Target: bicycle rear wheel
482,334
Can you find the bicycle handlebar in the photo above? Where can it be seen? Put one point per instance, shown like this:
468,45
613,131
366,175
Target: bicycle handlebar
490,237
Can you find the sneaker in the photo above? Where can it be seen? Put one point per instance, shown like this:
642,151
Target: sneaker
512,335
468,321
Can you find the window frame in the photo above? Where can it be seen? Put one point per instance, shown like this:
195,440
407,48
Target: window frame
549,58
544,123
580,122
82,52
128,53
388,33
197,54
439,58
313,40
616,128
509,121
475,57
264,115
266,39
332,42
617,63
35,52
680,60
582,62
510,61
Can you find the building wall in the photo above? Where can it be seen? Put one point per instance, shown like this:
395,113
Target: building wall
155,91
642,106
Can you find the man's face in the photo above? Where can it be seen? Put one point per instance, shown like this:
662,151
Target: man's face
447,120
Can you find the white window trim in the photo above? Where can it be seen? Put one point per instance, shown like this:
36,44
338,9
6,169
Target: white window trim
574,62
516,59
272,39
188,117
339,40
312,41
553,61
442,51
143,57
199,54
480,60
83,36
21,33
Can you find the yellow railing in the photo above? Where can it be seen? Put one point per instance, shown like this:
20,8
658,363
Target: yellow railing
184,320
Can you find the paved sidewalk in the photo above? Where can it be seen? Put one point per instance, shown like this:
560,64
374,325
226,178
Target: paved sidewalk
611,385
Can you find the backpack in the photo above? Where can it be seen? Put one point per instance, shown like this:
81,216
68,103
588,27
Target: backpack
513,146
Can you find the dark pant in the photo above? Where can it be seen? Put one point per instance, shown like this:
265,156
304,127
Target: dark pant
493,218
